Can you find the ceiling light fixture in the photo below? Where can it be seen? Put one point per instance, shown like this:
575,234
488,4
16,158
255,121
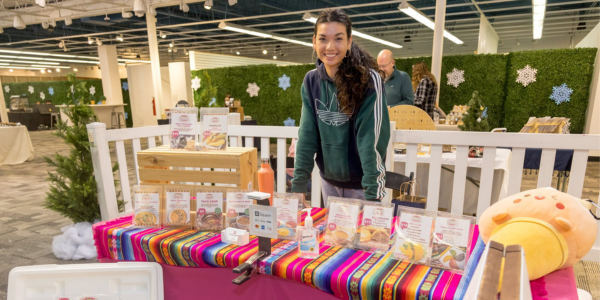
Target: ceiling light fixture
11,70
45,24
49,71
274,56
265,52
162,34
90,40
184,7
19,53
75,69
41,3
237,52
232,2
539,11
61,44
42,71
58,70
68,21
98,42
106,17
120,37
139,7
313,19
152,11
171,44
208,4
259,33
416,14
126,14
52,23
18,22
170,50
1,30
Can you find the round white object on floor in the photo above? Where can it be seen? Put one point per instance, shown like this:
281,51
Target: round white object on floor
583,295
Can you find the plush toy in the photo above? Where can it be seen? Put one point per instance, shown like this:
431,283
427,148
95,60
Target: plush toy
555,229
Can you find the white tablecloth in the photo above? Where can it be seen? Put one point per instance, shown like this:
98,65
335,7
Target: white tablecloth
15,145
499,188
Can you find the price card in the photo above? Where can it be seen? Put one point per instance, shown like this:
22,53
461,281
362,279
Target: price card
263,221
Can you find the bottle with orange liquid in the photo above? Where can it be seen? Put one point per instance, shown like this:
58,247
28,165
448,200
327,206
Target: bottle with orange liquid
266,178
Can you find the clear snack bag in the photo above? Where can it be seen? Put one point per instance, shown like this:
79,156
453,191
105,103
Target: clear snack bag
183,127
214,128
413,235
178,205
452,236
289,208
209,210
376,227
238,209
148,205
342,221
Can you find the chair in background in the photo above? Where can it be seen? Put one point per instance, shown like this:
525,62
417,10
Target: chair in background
408,117
115,119
182,103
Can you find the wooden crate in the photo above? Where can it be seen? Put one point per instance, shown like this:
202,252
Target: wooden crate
234,166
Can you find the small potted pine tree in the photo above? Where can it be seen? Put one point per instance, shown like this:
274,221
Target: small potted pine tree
475,119
102,99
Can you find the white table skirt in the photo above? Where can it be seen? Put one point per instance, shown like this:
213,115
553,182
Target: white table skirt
499,185
15,145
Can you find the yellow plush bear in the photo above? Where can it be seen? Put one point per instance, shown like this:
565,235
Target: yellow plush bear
555,229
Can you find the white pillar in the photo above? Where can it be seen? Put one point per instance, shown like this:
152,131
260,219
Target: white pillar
438,43
111,79
488,38
3,113
181,82
141,91
155,62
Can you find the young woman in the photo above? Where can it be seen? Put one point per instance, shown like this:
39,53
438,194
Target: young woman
425,88
344,120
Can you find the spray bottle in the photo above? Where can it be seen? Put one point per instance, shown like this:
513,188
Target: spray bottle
308,238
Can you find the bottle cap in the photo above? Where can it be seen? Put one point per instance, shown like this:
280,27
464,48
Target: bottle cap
264,160
308,221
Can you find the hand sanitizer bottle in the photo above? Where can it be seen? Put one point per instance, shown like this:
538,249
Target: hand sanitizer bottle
308,238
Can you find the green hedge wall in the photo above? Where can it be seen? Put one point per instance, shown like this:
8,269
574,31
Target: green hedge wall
574,67
273,105
61,88
484,73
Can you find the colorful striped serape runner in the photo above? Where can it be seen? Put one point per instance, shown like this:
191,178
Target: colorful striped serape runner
345,273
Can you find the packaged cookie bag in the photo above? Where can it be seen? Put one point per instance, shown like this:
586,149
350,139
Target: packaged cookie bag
342,221
238,209
209,210
178,205
214,128
147,204
413,235
376,227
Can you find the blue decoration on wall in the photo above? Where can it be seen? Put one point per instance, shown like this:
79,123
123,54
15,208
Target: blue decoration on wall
561,93
484,113
289,122
284,82
126,115
212,101
51,91
125,85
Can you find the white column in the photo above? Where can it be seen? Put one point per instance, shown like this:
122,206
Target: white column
181,82
141,91
111,79
3,113
488,38
192,57
438,43
155,62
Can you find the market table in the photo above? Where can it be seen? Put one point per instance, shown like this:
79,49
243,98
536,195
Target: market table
16,146
193,264
499,188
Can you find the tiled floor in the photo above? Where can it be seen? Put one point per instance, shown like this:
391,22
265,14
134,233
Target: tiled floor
27,229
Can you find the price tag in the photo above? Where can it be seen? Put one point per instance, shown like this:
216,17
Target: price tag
263,221
175,134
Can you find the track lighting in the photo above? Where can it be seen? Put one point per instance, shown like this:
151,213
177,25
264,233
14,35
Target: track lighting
61,44
42,71
126,14
184,7
11,70
68,21
41,3
232,2
208,4
274,56
52,23
1,30
170,50
162,34
18,22
265,52
237,52
57,70
45,24
152,11
120,38
90,40
139,7
98,42
171,44
75,69
49,71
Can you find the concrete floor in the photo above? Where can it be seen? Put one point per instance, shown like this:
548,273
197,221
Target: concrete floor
27,229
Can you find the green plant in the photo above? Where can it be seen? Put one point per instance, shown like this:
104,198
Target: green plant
102,98
207,92
78,91
92,97
474,120
73,191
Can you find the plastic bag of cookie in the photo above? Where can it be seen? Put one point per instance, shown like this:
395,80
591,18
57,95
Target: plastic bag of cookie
376,227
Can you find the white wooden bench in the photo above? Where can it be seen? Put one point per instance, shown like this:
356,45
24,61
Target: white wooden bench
581,144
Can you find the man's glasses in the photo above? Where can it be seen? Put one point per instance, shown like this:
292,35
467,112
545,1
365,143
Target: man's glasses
386,65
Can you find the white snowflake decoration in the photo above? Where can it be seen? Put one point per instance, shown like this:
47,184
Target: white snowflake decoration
7,88
196,83
42,95
526,75
284,82
456,77
567,128
72,89
92,90
252,89
30,89
561,93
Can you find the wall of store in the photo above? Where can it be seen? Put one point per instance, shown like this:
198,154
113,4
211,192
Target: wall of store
592,125
83,71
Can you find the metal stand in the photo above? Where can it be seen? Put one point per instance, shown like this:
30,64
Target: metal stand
251,265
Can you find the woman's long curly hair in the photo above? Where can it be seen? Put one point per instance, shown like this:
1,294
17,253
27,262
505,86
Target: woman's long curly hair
352,78
420,70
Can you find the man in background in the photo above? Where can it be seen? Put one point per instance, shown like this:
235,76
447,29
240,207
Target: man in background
398,87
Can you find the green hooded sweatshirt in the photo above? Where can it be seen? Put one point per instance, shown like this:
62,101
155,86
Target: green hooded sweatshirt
350,149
